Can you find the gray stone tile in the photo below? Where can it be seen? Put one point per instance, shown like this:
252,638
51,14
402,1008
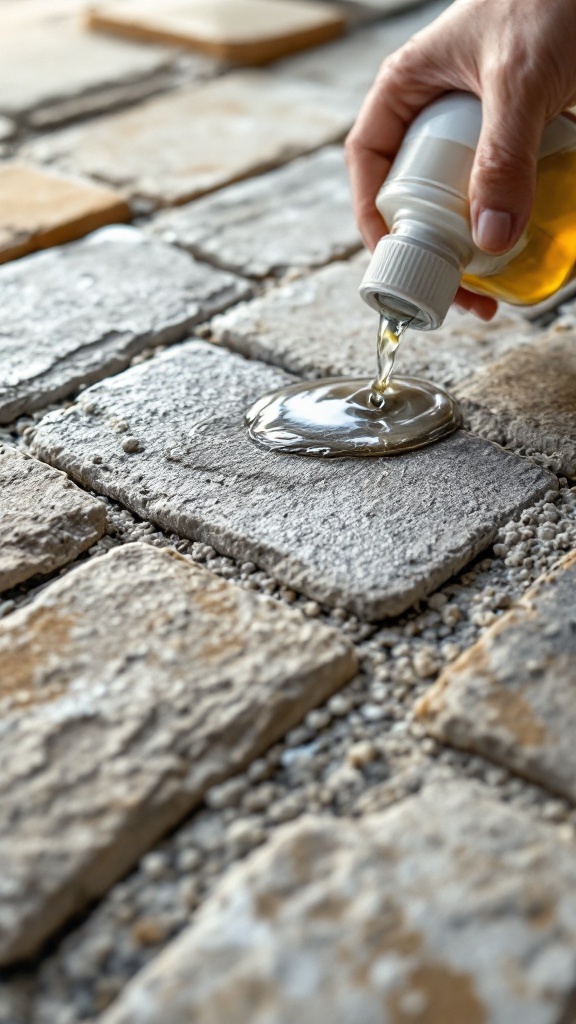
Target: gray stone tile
451,907
45,520
527,399
299,216
373,535
511,696
129,687
319,326
200,138
73,314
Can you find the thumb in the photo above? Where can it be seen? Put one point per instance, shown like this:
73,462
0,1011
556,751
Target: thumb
503,179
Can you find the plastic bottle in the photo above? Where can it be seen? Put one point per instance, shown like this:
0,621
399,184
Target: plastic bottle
417,268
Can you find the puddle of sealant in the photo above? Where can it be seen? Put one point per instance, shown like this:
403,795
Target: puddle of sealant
355,416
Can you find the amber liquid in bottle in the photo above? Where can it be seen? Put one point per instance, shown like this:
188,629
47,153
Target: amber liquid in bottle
549,257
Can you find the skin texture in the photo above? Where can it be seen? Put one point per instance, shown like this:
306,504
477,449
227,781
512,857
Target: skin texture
517,56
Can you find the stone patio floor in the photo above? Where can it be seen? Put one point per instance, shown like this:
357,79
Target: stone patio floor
280,739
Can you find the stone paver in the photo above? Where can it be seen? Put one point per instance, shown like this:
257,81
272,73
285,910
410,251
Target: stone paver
76,313
319,326
45,520
131,686
448,909
370,535
40,208
195,140
296,217
511,696
67,61
528,399
249,31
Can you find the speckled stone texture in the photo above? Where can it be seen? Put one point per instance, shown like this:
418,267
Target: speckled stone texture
528,399
299,216
129,687
511,696
451,908
45,520
77,313
200,138
372,535
319,327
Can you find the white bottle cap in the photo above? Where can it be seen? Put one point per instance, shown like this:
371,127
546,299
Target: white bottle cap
404,274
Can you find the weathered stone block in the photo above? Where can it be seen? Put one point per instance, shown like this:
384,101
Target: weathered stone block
450,908
299,216
528,399
373,535
45,520
127,689
77,313
40,208
200,138
511,696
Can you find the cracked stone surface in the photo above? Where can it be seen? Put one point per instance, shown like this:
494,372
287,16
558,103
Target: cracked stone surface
66,60
236,125
45,520
371,535
318,327
102,755
40,208
511,695
73,314
450,907
299,216
249,31
527,399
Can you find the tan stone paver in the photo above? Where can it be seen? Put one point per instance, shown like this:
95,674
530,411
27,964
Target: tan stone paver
370,535
78,312
127,689
296,217
528,399
45,520
451,908
40,208
319,327
249,31
201,137
511,696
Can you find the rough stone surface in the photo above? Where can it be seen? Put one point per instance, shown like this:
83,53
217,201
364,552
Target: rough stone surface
249,31
449,908
299,216
511,696
195,140
371,535
40,208
528,400
131,686
319,326
45,520
77,313
48,38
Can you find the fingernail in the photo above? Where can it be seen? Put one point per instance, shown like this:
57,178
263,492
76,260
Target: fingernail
493,230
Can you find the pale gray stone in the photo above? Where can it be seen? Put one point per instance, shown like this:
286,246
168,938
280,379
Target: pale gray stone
128,688
450,908
7,128
299,216
528,399
511,696
45,520
371,535
199,138
73,314
319,327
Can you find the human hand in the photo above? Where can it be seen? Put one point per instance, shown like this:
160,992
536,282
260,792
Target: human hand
517,56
